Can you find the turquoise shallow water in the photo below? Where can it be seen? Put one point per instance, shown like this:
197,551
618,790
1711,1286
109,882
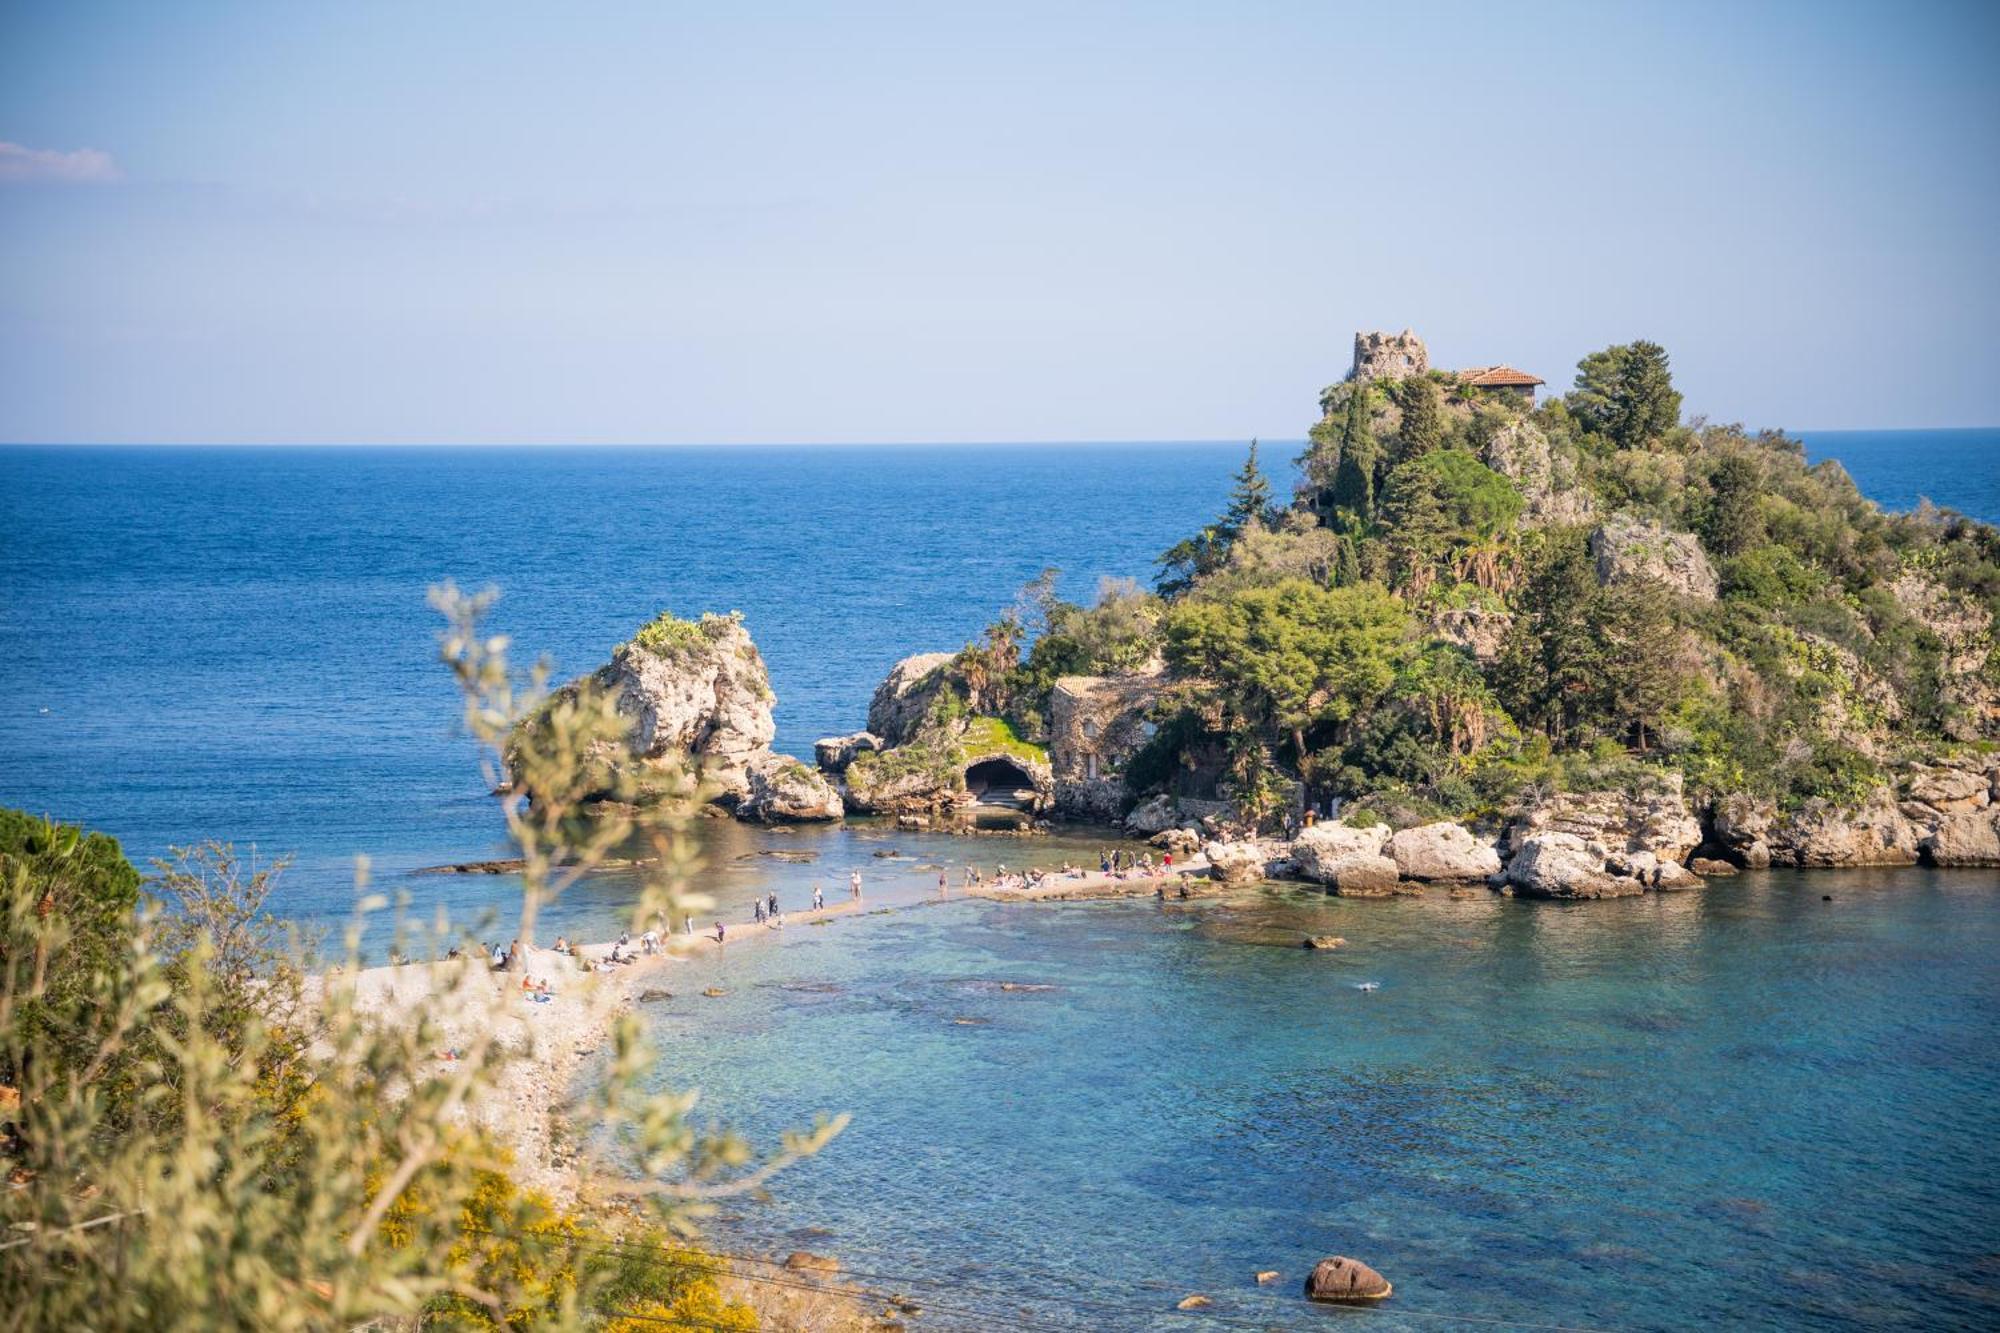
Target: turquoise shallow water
1737,1106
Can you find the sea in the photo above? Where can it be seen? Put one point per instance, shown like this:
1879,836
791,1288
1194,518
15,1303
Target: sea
1769,1102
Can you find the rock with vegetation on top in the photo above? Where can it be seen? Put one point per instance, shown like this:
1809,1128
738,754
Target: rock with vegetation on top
1654,820
1627,548
835,753
1951,791
1442,851
902,702
783,790
1342,1279
1520,452
1563,865
1964,632
1238,862
1819,833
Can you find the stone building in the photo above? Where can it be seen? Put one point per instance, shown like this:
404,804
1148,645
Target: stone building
1096,725
1388,356
1503,379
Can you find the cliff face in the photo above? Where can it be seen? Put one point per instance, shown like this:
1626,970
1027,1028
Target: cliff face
698,693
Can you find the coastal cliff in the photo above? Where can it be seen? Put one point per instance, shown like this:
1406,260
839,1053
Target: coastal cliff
698,699
1614,650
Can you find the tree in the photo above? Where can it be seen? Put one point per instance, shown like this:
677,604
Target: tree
1730,523
1291,656
1249,499
1417,528
1423,428
1626,394
1550,672
1352,500
1643,679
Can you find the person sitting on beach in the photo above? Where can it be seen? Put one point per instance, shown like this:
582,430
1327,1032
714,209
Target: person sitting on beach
650,942
562,944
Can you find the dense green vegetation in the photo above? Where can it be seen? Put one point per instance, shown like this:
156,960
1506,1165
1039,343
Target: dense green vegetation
1430,623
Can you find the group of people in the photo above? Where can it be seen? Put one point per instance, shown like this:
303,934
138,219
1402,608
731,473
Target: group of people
1121,864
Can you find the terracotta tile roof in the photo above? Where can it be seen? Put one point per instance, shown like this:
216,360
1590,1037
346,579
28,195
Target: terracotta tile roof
1500,377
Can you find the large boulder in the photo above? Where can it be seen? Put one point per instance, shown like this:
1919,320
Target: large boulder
1740,825
1157,815
1819,833
1968,838
1443,851
1627,548
1563,865
835,753
1317,850
1238,862
1365,875
1342,1279
903,700
784,791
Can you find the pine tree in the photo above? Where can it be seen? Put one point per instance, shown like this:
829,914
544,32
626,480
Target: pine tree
1249,499
1418,529
1626,394
1551,670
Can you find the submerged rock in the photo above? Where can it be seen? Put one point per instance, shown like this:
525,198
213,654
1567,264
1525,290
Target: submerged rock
1342,1279
1324,941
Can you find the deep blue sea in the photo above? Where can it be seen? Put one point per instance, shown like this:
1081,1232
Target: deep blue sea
1742,1105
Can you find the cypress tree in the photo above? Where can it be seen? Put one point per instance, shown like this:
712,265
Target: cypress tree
1354,480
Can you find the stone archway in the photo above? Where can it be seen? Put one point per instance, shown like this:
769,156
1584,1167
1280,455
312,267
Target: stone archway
999,780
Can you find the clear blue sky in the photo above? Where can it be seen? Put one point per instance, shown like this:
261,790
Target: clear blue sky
656,222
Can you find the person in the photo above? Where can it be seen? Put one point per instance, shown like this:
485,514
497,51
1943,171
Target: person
562,944
1166,863
944,885
650,942
687,924
719,932
854,882
1103,862
757,910
771,906
819,896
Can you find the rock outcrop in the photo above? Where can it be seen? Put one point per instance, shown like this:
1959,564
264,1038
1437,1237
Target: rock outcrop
1966,838
1656,821
1319,851
784,791
1627,548
1520,452
1443,851
1964,630
1367,875
1238,862
835,753
903,700
1820,833
1563,865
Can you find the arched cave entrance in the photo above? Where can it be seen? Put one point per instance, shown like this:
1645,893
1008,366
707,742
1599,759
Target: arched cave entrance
1000,781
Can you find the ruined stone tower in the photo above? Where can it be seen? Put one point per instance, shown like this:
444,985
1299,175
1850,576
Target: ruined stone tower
1388,356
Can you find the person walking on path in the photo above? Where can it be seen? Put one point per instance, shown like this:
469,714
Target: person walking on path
720,932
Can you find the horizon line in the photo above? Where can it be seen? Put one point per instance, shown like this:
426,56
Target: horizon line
1105,442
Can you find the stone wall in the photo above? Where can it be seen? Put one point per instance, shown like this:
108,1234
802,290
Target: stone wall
1096,724
1388,356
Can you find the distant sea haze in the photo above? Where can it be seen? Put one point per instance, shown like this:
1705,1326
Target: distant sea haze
233,643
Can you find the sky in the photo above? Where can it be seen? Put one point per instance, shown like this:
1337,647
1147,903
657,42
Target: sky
598,223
